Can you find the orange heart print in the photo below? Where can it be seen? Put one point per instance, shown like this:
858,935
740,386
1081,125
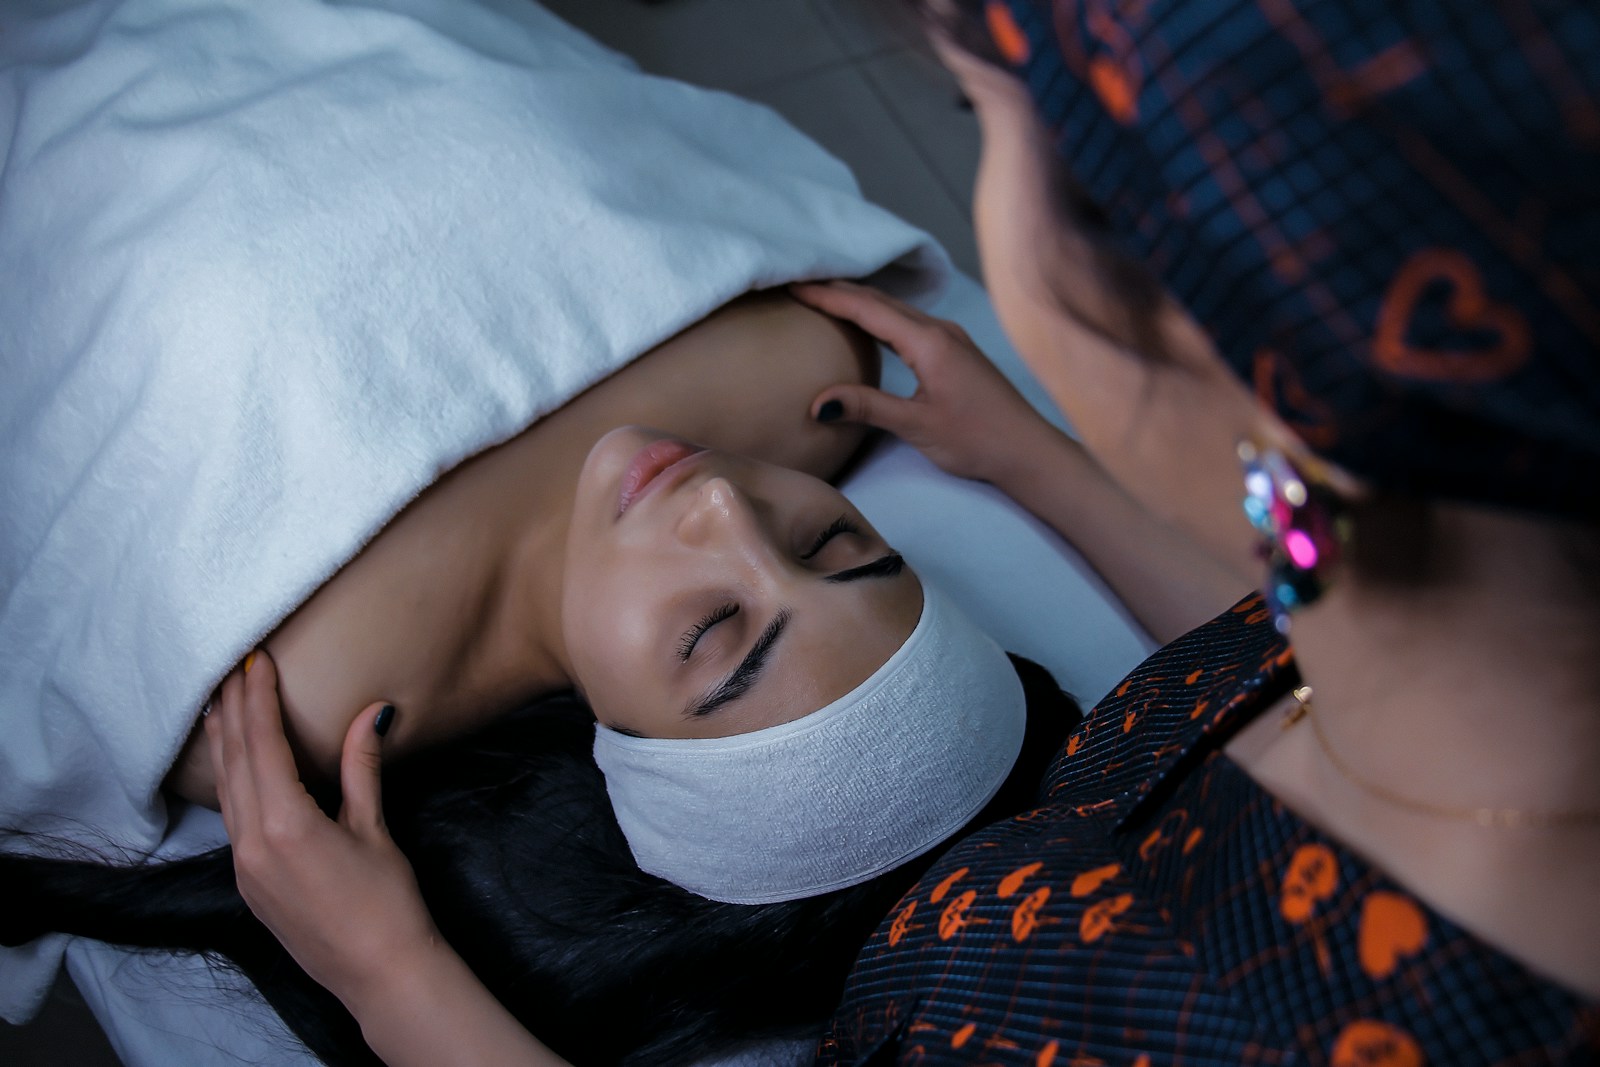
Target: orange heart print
1025,917
1469,310
1312,876
955,918
1099,919
1392,927
1369,1043
902,924
1089,881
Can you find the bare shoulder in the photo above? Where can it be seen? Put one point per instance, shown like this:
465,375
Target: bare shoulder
408,623
743,379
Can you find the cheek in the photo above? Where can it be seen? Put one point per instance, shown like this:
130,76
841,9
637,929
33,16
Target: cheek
612,628
591,608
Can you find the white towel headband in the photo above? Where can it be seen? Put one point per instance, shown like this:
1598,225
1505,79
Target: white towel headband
837,797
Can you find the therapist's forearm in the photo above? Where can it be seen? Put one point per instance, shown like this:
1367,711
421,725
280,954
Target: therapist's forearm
1167,583
431,1009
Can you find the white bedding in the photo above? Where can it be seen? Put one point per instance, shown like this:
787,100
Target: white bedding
1013,575
205,322
271,268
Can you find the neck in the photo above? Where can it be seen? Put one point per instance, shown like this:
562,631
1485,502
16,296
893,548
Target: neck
1475,685
522,635
1471,687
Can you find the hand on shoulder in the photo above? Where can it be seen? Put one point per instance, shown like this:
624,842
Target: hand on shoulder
338,894
964,416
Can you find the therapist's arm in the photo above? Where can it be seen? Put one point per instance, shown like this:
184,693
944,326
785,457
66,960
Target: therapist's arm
1168,584
968,419
340,895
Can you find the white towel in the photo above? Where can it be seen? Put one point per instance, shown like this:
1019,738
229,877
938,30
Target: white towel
269,270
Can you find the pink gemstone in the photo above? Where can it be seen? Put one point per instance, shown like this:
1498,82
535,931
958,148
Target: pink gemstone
1301,549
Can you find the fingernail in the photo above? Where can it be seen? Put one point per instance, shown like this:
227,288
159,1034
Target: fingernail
380,725
248,660
830,411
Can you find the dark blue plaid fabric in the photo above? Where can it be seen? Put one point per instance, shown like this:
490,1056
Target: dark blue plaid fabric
1159,909
1386,213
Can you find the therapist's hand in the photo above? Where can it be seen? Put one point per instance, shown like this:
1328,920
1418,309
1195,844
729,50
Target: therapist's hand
964,416
339,895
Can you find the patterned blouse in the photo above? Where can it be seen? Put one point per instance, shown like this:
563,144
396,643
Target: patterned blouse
1161,909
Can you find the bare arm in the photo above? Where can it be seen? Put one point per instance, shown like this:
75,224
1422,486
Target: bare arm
341,897
740,380
1170,586
969,420
434,1010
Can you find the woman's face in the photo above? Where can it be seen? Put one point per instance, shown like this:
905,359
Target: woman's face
706,594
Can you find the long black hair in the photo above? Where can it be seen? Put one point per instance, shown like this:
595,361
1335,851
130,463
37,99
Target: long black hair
529,878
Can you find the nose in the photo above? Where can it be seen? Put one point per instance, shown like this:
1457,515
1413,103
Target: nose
721,514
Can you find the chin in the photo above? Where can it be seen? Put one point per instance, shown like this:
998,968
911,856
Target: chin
602,468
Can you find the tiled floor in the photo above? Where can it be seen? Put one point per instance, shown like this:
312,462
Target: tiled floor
852,75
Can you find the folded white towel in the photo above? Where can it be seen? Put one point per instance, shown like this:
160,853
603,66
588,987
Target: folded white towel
272,268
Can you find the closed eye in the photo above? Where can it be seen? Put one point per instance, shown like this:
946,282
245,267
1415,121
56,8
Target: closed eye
841,525
693,635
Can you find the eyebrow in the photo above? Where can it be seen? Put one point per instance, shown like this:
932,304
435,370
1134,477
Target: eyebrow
745,675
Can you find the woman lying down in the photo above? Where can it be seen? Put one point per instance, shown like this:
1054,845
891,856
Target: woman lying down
791,724
331,349
740,727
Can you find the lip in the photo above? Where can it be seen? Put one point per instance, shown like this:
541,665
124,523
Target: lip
644,470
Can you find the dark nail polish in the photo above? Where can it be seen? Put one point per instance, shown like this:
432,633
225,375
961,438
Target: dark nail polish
385,718
830,411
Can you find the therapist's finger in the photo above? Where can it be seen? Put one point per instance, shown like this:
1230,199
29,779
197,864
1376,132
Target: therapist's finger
868,406
898,325
212,725
361,769
275,779
225,735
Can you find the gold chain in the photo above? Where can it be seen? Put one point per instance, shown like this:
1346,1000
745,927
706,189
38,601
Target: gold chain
1497,818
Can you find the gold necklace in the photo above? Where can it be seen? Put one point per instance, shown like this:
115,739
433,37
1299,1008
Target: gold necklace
1497,818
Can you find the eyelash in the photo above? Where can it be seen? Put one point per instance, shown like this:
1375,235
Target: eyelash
692,638
841,525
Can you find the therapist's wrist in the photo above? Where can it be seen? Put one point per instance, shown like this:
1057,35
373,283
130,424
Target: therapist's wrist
385,994
1037,458
395,978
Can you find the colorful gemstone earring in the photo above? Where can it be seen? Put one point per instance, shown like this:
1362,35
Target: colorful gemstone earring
1304,527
